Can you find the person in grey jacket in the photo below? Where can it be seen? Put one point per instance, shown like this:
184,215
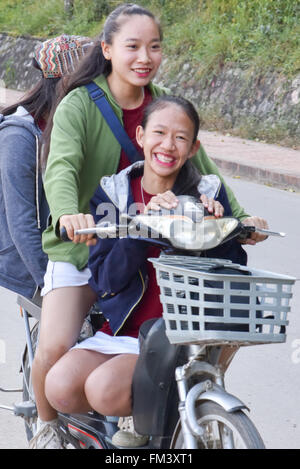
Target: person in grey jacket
23,206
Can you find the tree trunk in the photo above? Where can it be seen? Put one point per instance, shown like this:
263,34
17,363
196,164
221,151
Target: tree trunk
69,7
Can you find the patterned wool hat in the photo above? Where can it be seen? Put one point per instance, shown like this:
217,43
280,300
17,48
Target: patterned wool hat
59,56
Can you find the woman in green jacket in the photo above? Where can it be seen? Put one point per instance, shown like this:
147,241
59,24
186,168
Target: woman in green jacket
82,150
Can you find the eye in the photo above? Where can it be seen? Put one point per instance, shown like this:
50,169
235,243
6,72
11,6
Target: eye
156,46
131,46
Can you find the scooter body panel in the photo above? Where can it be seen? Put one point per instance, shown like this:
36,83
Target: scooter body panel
155,397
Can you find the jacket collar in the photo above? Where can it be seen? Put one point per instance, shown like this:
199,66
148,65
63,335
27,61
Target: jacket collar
20,118
117,187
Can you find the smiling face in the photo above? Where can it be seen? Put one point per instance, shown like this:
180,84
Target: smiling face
135,52
167,142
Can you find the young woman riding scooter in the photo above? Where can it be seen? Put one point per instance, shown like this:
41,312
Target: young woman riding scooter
97,373
123,62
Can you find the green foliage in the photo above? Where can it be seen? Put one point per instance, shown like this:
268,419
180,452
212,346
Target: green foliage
257,33
210,33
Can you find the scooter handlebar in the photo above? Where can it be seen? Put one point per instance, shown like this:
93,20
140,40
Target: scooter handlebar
248,229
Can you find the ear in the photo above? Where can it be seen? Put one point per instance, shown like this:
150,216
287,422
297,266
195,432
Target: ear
194,149
105,50
140,136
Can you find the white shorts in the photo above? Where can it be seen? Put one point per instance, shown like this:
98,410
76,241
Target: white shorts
104,343
64,274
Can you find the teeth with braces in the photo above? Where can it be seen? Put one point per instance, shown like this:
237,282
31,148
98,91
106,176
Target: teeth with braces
163,158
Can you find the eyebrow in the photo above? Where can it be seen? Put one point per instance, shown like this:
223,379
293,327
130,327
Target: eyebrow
161,126
131,39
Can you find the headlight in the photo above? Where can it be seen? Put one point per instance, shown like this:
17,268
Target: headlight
182,232
201,236
215,230
158,226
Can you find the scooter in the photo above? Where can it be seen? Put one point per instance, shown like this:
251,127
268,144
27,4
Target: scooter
211,307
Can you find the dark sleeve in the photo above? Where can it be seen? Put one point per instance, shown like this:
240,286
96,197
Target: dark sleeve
232,249
114,262
18,170
222,197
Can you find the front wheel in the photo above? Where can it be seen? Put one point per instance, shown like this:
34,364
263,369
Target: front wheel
221,429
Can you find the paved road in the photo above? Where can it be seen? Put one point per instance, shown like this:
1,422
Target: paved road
266,378
12,434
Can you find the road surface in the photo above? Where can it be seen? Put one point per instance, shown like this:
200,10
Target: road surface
265,377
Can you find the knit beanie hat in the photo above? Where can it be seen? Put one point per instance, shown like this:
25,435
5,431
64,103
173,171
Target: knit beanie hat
59,56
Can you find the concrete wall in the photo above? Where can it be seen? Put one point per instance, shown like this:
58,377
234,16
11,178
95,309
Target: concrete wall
255,105
240,100
16,71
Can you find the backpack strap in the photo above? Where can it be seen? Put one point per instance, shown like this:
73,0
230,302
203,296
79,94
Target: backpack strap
97,95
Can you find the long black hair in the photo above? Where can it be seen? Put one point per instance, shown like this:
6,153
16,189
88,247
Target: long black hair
39,100
188,177
94,63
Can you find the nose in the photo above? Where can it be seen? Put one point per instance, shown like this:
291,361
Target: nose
168,142
144,55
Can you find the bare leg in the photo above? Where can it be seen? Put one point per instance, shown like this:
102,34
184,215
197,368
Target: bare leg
108,387
63,312
65,381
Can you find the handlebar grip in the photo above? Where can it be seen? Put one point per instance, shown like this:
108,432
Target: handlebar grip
63,234
246,231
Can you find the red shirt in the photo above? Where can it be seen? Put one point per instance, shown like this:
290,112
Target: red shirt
150,306
132,118
42,124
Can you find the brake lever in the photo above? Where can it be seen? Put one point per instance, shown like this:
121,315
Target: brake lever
247,230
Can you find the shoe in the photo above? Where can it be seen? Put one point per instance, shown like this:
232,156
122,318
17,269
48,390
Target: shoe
127,437
47,437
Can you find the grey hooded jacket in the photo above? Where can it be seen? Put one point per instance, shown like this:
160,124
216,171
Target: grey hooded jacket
23,206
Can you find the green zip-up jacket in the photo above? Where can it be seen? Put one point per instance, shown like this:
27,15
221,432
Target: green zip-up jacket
83,150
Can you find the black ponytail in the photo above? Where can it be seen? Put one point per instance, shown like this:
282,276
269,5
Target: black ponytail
94,63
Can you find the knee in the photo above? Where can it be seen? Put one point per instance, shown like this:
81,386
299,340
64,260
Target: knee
59,390
107,397
47,355
99,395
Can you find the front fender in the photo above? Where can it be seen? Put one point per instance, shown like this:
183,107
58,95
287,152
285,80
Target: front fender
208,391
